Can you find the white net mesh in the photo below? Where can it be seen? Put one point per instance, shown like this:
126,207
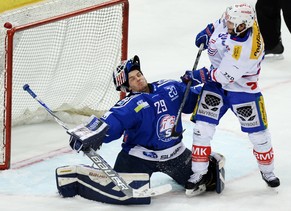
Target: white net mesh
68,63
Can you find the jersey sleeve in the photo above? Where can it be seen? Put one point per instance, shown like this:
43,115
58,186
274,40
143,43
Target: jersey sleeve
121,117
190,100
228,71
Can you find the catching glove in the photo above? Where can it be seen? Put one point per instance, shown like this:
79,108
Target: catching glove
88,135
204,35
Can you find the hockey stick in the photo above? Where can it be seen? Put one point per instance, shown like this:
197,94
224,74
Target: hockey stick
102,164
174,132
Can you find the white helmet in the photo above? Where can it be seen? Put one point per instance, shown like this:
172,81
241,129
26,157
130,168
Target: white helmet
240,13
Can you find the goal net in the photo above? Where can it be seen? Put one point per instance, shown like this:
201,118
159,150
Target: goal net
66,50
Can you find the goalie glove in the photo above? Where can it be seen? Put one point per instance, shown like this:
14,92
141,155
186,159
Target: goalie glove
88,135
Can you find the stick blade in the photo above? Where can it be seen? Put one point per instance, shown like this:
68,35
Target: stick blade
151,192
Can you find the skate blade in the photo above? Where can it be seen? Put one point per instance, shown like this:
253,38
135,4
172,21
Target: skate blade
273,57
198,191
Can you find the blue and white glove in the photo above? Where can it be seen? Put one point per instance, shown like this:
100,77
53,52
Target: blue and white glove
197,89
196,76
88,135
202,75
188,76
204,36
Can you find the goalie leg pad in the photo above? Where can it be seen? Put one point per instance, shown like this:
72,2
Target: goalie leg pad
93,184
216,172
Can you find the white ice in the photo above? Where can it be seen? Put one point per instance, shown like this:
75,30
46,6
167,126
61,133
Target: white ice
162,33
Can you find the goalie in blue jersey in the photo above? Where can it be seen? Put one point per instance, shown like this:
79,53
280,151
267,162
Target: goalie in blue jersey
145,118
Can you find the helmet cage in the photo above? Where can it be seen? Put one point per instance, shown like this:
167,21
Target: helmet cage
120,75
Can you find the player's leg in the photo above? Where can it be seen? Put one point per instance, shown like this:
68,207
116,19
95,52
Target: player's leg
131,164
206,116
269,18
286,8
178,168
251,113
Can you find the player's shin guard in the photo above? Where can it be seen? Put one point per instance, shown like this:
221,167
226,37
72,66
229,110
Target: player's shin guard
93,184
201,150
263,151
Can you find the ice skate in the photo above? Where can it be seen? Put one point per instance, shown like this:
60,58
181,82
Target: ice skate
276,53
196,184
271,180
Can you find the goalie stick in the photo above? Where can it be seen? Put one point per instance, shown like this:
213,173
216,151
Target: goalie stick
103,165
174,132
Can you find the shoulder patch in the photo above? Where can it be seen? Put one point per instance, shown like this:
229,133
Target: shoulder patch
125,100
141,105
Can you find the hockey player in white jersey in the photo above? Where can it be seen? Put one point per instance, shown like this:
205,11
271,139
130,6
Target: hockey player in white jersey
235,49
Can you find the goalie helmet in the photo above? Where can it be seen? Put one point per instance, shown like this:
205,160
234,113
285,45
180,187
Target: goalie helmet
120,75
239,14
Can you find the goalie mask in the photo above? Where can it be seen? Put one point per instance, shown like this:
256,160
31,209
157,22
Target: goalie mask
120,75
240,14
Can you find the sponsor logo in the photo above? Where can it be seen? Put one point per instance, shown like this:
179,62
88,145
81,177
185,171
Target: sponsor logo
262,111
150,154
200,153
257,44
97,175
264,158
237,52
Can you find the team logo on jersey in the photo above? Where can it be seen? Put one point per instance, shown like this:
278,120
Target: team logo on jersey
164,127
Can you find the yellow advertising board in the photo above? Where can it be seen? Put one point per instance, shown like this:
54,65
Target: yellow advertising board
12,4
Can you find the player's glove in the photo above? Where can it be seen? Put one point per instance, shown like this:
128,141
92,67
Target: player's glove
88,135
198,76
197,89
188,76
204,36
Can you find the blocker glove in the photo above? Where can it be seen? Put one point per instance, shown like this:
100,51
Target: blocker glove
88,135
204,36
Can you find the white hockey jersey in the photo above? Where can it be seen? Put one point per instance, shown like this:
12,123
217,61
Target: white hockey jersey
235,61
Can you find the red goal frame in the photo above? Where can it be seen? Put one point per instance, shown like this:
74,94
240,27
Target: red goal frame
10,31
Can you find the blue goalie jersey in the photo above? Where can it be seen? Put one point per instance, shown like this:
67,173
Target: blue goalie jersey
147,119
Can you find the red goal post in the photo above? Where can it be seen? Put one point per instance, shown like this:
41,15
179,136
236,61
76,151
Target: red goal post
67,57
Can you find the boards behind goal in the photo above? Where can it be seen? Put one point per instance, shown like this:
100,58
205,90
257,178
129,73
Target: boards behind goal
66,50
